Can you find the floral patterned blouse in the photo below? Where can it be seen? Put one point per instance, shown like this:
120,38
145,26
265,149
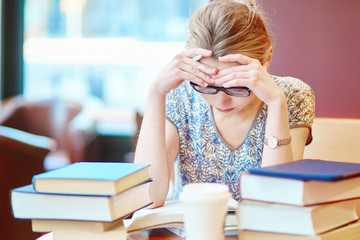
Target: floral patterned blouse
205,157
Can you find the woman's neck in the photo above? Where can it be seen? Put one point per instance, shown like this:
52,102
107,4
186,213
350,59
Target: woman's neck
234,128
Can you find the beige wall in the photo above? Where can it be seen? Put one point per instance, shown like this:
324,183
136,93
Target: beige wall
318,41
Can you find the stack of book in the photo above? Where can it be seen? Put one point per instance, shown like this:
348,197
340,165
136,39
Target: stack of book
84,200
306,199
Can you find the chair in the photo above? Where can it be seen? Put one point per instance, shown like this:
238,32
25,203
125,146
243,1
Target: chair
335,139
59,119
21,156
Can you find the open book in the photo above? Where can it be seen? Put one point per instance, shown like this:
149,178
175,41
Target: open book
171,216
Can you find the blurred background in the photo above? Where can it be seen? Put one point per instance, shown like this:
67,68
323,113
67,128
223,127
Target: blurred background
75,75
318,42
102,53
109,49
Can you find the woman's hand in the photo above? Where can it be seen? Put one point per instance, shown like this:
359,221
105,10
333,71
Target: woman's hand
249,73
183,67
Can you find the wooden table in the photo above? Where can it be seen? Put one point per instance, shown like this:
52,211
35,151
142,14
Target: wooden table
163,234
153,234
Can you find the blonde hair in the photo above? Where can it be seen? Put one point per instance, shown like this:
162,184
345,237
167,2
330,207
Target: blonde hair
228,27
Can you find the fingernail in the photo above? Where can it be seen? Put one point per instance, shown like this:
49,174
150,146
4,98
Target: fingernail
213,80
205,84
214,71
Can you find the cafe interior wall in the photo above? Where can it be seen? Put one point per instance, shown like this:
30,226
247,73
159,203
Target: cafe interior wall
319,42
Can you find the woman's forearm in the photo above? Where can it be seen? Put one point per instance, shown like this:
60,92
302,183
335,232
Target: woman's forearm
155,145
277,125
151,146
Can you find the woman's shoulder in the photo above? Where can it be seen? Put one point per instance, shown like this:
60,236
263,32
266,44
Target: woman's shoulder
300,100
291,82
292,85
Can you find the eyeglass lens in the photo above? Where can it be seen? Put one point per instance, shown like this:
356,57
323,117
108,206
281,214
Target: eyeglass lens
234,91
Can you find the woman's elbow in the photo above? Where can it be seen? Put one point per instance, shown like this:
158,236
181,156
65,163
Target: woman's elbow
158,195
157,201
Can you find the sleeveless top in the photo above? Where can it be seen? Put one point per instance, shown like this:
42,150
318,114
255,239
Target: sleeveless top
203,154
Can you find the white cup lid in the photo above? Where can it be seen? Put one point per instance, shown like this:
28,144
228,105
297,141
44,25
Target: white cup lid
204,192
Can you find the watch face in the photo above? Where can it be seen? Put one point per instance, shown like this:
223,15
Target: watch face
272,142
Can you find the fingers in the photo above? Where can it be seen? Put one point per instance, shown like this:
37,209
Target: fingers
238,75
239,58
239,82
230,70
193,69
193,57
199,66
230,77
193,78
198,51
234,76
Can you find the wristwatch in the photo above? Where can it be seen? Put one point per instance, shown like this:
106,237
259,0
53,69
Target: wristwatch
273,142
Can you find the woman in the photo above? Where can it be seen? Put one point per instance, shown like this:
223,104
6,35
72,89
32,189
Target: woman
214,111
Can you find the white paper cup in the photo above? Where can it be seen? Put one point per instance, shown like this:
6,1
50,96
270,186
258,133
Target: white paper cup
205,207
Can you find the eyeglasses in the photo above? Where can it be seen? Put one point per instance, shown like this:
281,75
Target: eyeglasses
232,91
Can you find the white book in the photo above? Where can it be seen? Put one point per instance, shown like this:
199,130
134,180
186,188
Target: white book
51,225
28,204
311,220
350,231
296,191
117,233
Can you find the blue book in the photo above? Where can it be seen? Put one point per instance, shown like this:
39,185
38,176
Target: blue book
92,178
304,182
309,169
26,203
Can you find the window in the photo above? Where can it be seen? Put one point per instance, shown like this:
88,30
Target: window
109,49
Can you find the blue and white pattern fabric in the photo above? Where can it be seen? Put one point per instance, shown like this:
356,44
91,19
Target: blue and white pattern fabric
204,156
